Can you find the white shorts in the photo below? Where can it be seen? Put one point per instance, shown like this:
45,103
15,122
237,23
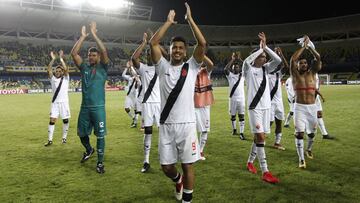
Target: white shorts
318,103
259,120
202,119
61,109
305,118
151,114
178,141
129,102
236,106
138,104
277,111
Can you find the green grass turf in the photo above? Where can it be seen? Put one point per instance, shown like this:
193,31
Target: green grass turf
30,172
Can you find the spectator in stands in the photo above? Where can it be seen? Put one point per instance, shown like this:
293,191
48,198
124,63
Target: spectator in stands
60,100
92,112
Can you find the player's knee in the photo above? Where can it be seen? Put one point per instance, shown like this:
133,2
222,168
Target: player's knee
311,135
127,110
148,130
65,121
233,118
319,114
299,135
241,117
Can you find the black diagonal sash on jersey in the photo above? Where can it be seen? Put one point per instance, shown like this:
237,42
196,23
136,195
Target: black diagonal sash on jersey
57,90
140,89
132,84
235,86
275,88
150,88
260,91
174,93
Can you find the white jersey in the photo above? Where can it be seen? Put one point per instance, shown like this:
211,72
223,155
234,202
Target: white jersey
254,77
290,90
183,110
130,85
272,81
63,92
239,94
147,73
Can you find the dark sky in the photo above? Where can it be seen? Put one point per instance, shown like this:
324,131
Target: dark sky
251,12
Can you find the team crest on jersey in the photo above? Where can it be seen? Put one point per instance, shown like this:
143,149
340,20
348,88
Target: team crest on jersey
183,72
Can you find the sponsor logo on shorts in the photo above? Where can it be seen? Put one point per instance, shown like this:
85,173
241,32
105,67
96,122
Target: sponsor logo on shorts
193,144
101,124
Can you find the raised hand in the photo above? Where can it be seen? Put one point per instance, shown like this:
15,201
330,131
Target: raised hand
145,38
83,32
93,29
171,17
61,54
262,38
52,55
306,41
233,56
128,64
149,34
188,12
278,51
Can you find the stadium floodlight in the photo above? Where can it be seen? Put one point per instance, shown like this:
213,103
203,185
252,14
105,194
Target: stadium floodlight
73,3
111,4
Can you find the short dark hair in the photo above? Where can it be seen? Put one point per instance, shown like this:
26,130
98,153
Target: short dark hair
62,68
178,39
94,49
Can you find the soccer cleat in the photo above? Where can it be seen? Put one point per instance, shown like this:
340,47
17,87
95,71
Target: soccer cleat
133,125
48,143
286,126
179,189
100,168
309,154
202,157
234,132
64,140
145,167
328,137
302,164
268,177
250,166
279,147
87,155
241,136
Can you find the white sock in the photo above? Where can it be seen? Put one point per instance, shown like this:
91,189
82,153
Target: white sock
300,148
252,155
147,146
51,129
262,158
131,115
65,130
322,126
278,138
203,140
310,143
233,124
136,118
288,118
242,126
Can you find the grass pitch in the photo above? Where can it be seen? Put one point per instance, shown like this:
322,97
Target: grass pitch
31,172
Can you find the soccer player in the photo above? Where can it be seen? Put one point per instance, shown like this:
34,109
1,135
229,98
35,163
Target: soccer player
305,110
321,123
60,100
236,93
132,92
203,99
291,100
277,106
177,133
256,70
151,97
92,112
